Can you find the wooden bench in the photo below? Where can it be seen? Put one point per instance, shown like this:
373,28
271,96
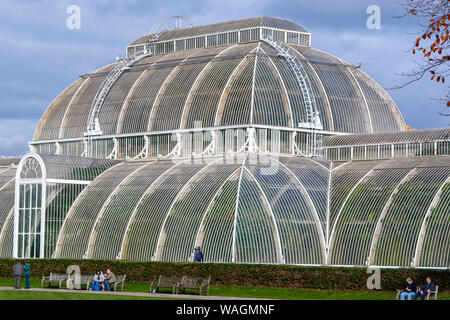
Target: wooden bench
120,281
118,285
166,283
201,284
58,278
82,280
432,294
61,279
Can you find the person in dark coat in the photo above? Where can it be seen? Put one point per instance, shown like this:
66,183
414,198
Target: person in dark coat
427,288
409,291
198,255
18,271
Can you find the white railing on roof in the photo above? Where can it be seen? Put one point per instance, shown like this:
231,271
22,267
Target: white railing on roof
93,127
312,114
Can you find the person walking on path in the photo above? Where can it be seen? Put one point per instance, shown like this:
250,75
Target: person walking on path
27,274
18,271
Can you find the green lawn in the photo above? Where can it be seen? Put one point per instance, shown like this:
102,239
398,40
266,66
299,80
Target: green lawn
308,294
250,292
33,295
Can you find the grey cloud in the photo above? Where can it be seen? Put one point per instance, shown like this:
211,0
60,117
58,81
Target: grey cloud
16,133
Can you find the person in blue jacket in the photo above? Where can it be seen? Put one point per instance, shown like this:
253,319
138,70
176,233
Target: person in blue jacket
198,255
409,291
427,288
27,274
97,282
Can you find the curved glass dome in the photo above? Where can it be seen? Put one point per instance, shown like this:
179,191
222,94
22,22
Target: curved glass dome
242,208
201,141
234,84
264,209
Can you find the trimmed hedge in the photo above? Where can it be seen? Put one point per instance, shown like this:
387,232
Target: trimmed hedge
284,276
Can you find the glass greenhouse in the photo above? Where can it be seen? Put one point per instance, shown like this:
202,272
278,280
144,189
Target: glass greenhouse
237,137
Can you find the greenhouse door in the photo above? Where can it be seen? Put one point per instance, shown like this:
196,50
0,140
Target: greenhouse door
29,212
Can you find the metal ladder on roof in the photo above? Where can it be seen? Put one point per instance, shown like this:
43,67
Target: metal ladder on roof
312,114
93,127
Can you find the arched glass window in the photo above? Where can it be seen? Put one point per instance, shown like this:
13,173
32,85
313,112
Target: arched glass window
29,210
29,221
31,169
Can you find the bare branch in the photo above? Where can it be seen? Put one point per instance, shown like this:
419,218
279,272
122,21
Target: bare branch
433,42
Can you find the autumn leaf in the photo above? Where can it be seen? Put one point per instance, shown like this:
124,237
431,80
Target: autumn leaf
437,35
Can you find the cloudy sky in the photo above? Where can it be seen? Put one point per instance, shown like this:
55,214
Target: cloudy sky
40,56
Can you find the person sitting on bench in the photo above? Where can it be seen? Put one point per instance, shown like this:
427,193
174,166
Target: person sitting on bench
98,281
425,290
409,291
110,279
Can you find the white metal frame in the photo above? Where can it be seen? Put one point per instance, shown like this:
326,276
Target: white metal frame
330,178
362,94
252,102
146,192
158,249
236,210
93,126
57,249
226,89
20,181
190,130
319,82
433,205
277,239
376,233
3,228
312,114
310,203
379,145
332,235
93,234
199,237
260,28
196,83
286,95
44,181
